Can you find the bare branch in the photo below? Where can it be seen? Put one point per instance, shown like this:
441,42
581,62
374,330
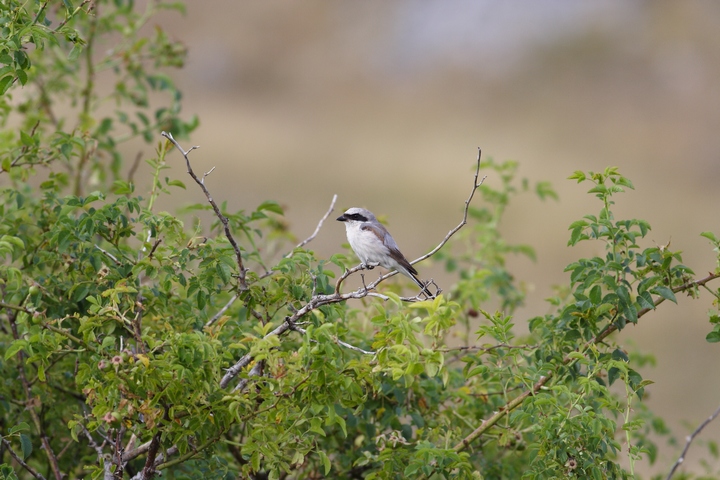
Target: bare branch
242,284
689,439
307,240
452,232
136,452
319,225
20,461
256,371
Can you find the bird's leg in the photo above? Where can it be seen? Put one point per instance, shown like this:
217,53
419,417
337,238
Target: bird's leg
370,266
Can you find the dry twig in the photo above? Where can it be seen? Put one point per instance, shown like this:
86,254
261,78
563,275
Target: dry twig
689,439
319,226
452,232
242,284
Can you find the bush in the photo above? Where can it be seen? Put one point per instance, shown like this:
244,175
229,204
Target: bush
134,345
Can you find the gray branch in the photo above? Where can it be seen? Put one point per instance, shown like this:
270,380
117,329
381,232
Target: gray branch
689,439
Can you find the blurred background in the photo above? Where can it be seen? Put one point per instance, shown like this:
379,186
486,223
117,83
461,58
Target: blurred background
386,103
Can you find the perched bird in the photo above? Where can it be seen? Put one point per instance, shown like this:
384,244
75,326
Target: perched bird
374,245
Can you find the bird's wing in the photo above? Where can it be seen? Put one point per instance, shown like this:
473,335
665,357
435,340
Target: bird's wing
389,242
379,233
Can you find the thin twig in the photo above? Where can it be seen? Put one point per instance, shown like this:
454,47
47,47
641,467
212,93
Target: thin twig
319,226
134,167
242,284
486,349
689,439
302,331
20,461
222,311
74,12
452,232
108,254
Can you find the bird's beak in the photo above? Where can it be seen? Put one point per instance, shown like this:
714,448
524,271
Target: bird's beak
341,218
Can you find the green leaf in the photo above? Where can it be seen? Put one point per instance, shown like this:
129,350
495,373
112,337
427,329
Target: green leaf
22,76
665,293
5,83
624,181
26,139
270,206
14,348
713,337
75,52
577,175
121,187
710,236
645,300
325,461
575,235
19,428
26,445
176,183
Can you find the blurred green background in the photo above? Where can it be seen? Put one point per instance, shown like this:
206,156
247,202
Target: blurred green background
385,104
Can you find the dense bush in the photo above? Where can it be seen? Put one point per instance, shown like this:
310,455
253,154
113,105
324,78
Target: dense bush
134,345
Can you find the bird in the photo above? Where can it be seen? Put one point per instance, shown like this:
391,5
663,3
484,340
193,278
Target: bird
374,245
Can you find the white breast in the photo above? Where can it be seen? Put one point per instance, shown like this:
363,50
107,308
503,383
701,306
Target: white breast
367,246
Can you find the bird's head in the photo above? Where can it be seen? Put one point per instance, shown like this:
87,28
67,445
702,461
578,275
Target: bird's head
355,214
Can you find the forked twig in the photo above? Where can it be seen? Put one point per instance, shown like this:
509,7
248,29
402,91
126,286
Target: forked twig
689,439
242,284
452,232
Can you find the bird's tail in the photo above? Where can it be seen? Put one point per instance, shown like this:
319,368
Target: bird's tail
420,283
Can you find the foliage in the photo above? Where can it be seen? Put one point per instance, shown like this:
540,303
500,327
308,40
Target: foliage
131,347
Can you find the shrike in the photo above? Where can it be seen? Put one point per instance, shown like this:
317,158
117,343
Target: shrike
374,245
